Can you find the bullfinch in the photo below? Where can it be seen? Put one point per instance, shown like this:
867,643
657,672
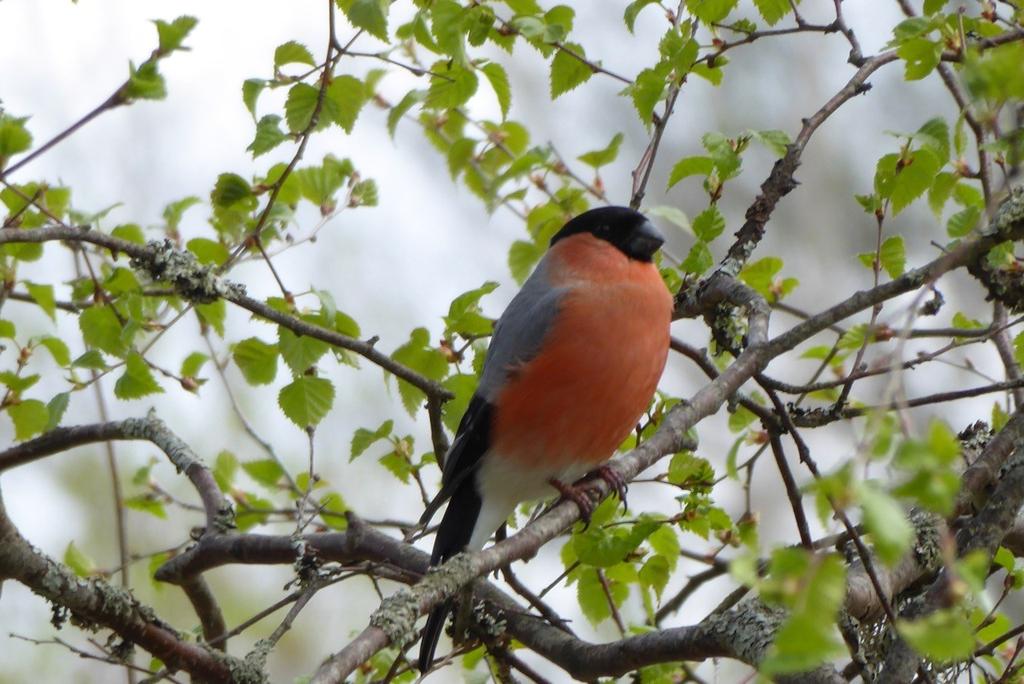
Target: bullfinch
572,366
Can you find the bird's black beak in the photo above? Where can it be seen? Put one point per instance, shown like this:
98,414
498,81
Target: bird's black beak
644,241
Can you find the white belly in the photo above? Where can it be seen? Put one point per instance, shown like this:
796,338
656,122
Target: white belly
503,485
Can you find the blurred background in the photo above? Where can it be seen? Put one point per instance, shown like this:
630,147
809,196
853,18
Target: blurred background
397,266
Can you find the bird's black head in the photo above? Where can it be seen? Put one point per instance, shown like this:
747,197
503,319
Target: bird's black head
627,230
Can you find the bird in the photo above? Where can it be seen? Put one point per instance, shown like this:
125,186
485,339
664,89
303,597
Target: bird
572,365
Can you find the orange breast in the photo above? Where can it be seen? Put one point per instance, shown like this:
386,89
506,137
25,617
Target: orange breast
580,397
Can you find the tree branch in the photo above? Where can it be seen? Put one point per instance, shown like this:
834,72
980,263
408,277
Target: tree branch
95,603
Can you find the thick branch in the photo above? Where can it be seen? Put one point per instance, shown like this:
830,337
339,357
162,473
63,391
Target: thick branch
96,603
219,515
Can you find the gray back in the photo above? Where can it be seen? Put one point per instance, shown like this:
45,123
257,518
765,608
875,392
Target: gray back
521,329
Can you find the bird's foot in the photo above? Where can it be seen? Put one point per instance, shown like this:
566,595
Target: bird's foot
578,495
615,481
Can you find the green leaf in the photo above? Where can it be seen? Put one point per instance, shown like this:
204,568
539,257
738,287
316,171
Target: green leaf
421,357
363,439
78,562
673,215
913,179
724,153
146,504
224,469
462,385
854,337
213,315
251,510
101,329
464,315
913,27
568,72
939,193
306,400
943,636
208,251
646,92
56,408
30,417
398,465
174,211
145,82
14,137
740,418
257,360
449,27
678,51
591,596
300,105
934,134
803,642
891,532
633,9
300,352
251,89
371,15
522,257
933,6
709,224
760,275
814,590
655,573
773,10
43,296
698,260
192,364
690,166
498,79
268,135
7,329
229,189
665,543
687,469
348,94
267,472
172,34
451,86
404,105
364,194
331,502
609,546
711,11
931,482
137,380
598,158
57,348
921,56
121,281
318,184
713,74
90,359
963,222
17,383
893,256
292,52
776,141
130,232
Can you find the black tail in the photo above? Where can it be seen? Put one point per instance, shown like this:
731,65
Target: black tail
452,536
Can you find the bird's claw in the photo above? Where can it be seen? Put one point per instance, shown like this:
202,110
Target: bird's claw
578,496
615,481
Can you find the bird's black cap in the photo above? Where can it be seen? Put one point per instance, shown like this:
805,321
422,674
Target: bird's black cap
628,230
